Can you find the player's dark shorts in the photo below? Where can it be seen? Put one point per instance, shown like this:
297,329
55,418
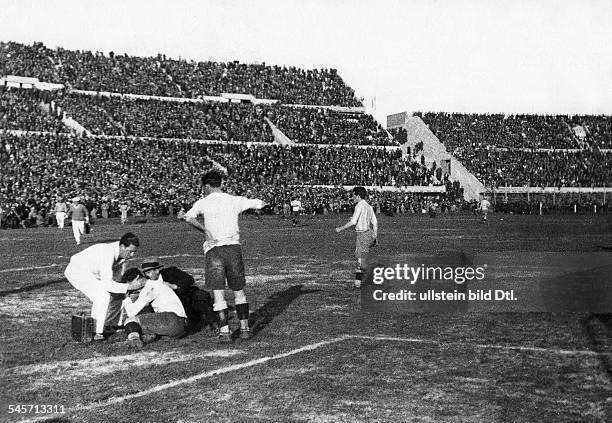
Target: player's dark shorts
225,262
365,240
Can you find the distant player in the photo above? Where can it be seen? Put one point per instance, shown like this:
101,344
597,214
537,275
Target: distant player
433,209
222,248
366,226
484,207
296,210
60,212
123,208
79,215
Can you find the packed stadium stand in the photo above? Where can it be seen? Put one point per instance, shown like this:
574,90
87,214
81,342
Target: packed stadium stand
162,76
24,110
126,145
540,169
116,128
529,150
104,115
163,172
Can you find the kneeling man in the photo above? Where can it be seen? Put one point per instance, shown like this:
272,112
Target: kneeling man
168,318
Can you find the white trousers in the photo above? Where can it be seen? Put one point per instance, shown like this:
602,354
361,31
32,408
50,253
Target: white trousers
78,229
60,217
92,287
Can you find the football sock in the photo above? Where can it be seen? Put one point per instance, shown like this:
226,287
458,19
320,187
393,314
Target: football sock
358,277
242,311
222,319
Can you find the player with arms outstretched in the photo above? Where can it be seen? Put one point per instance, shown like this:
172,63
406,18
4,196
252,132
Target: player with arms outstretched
222,247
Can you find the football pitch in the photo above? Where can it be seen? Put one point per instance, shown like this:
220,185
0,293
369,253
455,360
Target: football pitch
315,355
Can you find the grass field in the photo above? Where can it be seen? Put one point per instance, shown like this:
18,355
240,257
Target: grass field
315,356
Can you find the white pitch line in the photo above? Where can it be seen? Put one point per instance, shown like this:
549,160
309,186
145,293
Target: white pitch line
309,347
195,378
483,346
21,269
182,255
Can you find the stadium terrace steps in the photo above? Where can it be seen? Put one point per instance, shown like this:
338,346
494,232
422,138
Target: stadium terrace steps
434,150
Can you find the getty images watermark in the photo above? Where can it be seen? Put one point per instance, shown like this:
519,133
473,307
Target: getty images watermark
411,275
517,282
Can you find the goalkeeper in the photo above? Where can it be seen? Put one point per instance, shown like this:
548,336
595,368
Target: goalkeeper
366,226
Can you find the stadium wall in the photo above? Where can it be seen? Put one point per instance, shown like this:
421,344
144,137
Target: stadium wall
553,190
437,189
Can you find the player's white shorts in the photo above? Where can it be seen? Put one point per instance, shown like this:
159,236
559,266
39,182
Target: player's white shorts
60,217
78,229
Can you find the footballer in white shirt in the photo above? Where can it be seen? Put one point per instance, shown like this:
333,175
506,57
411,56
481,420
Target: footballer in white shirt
484,207
168,317
366,227
222,248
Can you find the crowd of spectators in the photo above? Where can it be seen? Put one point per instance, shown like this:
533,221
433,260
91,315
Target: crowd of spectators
597,129
399,134
324,126
155,174
220,121
163,76
90,114
158,177
539,169
502,150
290,85
25,110
278,165
166,119
562,203
29,61
474,131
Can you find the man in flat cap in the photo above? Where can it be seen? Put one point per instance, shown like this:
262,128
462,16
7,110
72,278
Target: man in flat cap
198,303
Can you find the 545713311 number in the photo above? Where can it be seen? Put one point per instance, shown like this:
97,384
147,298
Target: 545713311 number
36,408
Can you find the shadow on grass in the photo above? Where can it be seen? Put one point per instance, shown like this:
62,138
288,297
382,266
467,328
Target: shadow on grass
32,287
275,305
599,329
